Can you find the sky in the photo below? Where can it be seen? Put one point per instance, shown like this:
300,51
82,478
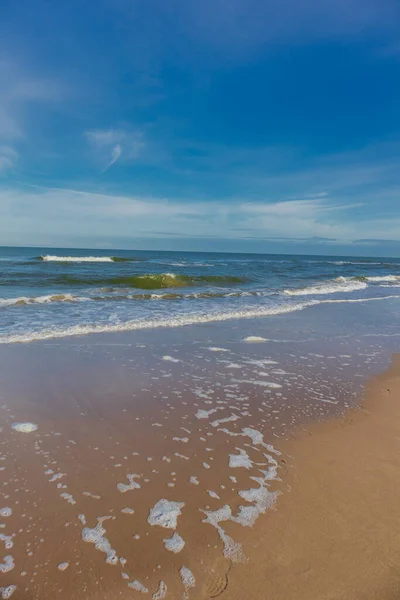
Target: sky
221,125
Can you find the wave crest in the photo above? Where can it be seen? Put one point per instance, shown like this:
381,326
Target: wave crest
81,259
25,301
338,285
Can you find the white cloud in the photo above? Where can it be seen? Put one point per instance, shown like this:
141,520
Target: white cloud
74,212
111,144
115,154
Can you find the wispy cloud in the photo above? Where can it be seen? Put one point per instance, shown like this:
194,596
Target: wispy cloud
320,220
8,159
111,144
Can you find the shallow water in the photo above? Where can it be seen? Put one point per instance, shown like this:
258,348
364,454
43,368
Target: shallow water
49,293
143,460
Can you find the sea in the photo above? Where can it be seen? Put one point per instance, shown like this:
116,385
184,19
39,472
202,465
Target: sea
50,293
146,400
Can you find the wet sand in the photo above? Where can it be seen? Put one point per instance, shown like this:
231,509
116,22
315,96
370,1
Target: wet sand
122,425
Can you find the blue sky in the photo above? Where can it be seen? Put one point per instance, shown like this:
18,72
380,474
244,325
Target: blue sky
240,125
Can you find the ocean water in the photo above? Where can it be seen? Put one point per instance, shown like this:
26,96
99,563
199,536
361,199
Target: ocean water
53,293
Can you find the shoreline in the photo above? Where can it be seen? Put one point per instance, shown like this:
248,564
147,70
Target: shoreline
334,531
163,410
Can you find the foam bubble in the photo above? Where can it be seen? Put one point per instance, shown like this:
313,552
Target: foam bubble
194,480
204,414
127,511
171,359
7,539
95,535
133,485
161,591
240,460
268,384
6,511
175,543
165,513
258,439
226,420
24,427
79,259
68,497
213,494
7,592
63,566
232,549
187,578
138,587
216,349
7,565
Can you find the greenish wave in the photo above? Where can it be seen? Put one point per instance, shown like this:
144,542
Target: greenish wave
153,281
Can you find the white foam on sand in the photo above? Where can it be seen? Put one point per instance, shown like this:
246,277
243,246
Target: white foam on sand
175,543
258,439
268,384
95,535
226,420
24,427
63,566
7,565
204,414
127,511
213,494
133,485
7,592
7,539
187,579
165,513
138,587
240,460
232,550
193,479
6,511
261,498
68,497
161,591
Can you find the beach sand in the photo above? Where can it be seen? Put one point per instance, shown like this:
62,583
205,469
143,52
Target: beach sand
335,533
119,429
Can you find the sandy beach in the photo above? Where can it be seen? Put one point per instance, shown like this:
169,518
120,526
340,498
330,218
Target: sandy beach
170,466
334,534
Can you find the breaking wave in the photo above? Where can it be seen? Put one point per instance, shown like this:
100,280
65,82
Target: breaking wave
24,300
338,285
88,259
178,321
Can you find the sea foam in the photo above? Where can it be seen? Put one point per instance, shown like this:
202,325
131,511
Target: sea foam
78,259
165,513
